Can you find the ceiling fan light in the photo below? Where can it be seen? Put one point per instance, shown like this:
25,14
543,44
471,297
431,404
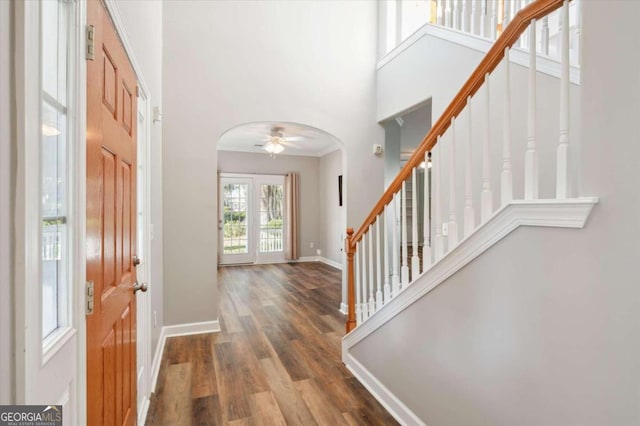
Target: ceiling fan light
274,146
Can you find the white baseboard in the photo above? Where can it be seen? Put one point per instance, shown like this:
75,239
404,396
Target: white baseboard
173,331
385,397
142,413
321,259
344,309
330,262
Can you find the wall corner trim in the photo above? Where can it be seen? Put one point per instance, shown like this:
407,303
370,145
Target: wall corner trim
385,397
570,213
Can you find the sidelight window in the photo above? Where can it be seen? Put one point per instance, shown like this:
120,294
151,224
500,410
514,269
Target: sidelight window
54,193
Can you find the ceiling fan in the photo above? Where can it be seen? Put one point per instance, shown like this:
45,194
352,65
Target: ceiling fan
276,142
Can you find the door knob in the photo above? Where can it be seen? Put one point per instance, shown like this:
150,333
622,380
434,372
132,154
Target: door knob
136,260
140,286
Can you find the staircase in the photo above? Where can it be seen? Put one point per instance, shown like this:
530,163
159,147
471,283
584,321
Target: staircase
391,267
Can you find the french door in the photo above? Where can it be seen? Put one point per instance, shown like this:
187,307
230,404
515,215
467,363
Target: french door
252,221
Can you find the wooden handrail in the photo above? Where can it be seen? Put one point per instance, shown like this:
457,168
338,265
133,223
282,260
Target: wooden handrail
518,25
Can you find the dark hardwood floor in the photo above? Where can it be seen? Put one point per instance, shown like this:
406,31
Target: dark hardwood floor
276,360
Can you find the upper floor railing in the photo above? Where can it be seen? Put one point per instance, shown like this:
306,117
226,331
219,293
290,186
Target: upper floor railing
383,258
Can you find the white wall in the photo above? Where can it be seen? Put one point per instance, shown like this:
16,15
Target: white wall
143,22
331,216
307,169
228,63
7,154
543,328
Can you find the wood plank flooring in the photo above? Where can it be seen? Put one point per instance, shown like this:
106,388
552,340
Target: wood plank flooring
276,361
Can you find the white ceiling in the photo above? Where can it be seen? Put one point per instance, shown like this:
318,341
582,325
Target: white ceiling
300,139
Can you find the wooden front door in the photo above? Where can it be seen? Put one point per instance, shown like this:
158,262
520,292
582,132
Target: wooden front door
111,226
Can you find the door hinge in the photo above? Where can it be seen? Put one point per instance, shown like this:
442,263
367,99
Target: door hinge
91,33
89,294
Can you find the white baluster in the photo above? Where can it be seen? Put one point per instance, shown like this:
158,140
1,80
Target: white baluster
576,51
378,265
364,306
456,14
404,270
372,301
440,12
524,39
359,312
464,14
486,196
506,178
506,13
531,156
473,27
448,14
562,169
387,287
395,249
469,211
426,222
483,18
438,240
544,41
415,258
453,222
494,19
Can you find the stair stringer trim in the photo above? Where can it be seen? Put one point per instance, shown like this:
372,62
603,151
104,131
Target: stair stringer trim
570,213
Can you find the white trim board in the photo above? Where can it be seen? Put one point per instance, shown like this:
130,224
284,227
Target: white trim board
572,213
518,56
320,259
380,392
173,331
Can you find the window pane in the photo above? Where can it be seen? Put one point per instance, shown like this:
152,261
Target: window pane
54,211
235,205
53,167
271,224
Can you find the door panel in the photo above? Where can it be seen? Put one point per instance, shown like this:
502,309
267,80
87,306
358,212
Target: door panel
111,226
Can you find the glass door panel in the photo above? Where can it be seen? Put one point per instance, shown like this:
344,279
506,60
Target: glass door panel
271,218
235,220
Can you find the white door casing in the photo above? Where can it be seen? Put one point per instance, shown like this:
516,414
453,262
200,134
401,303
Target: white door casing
48,371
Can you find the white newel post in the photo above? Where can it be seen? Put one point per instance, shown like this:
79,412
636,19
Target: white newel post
372,301
395,248
426,222
453,222
378,265
359,312
486,196
387,287
506,178
438,241
415,258
469,212
531,156
404,270
562,170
